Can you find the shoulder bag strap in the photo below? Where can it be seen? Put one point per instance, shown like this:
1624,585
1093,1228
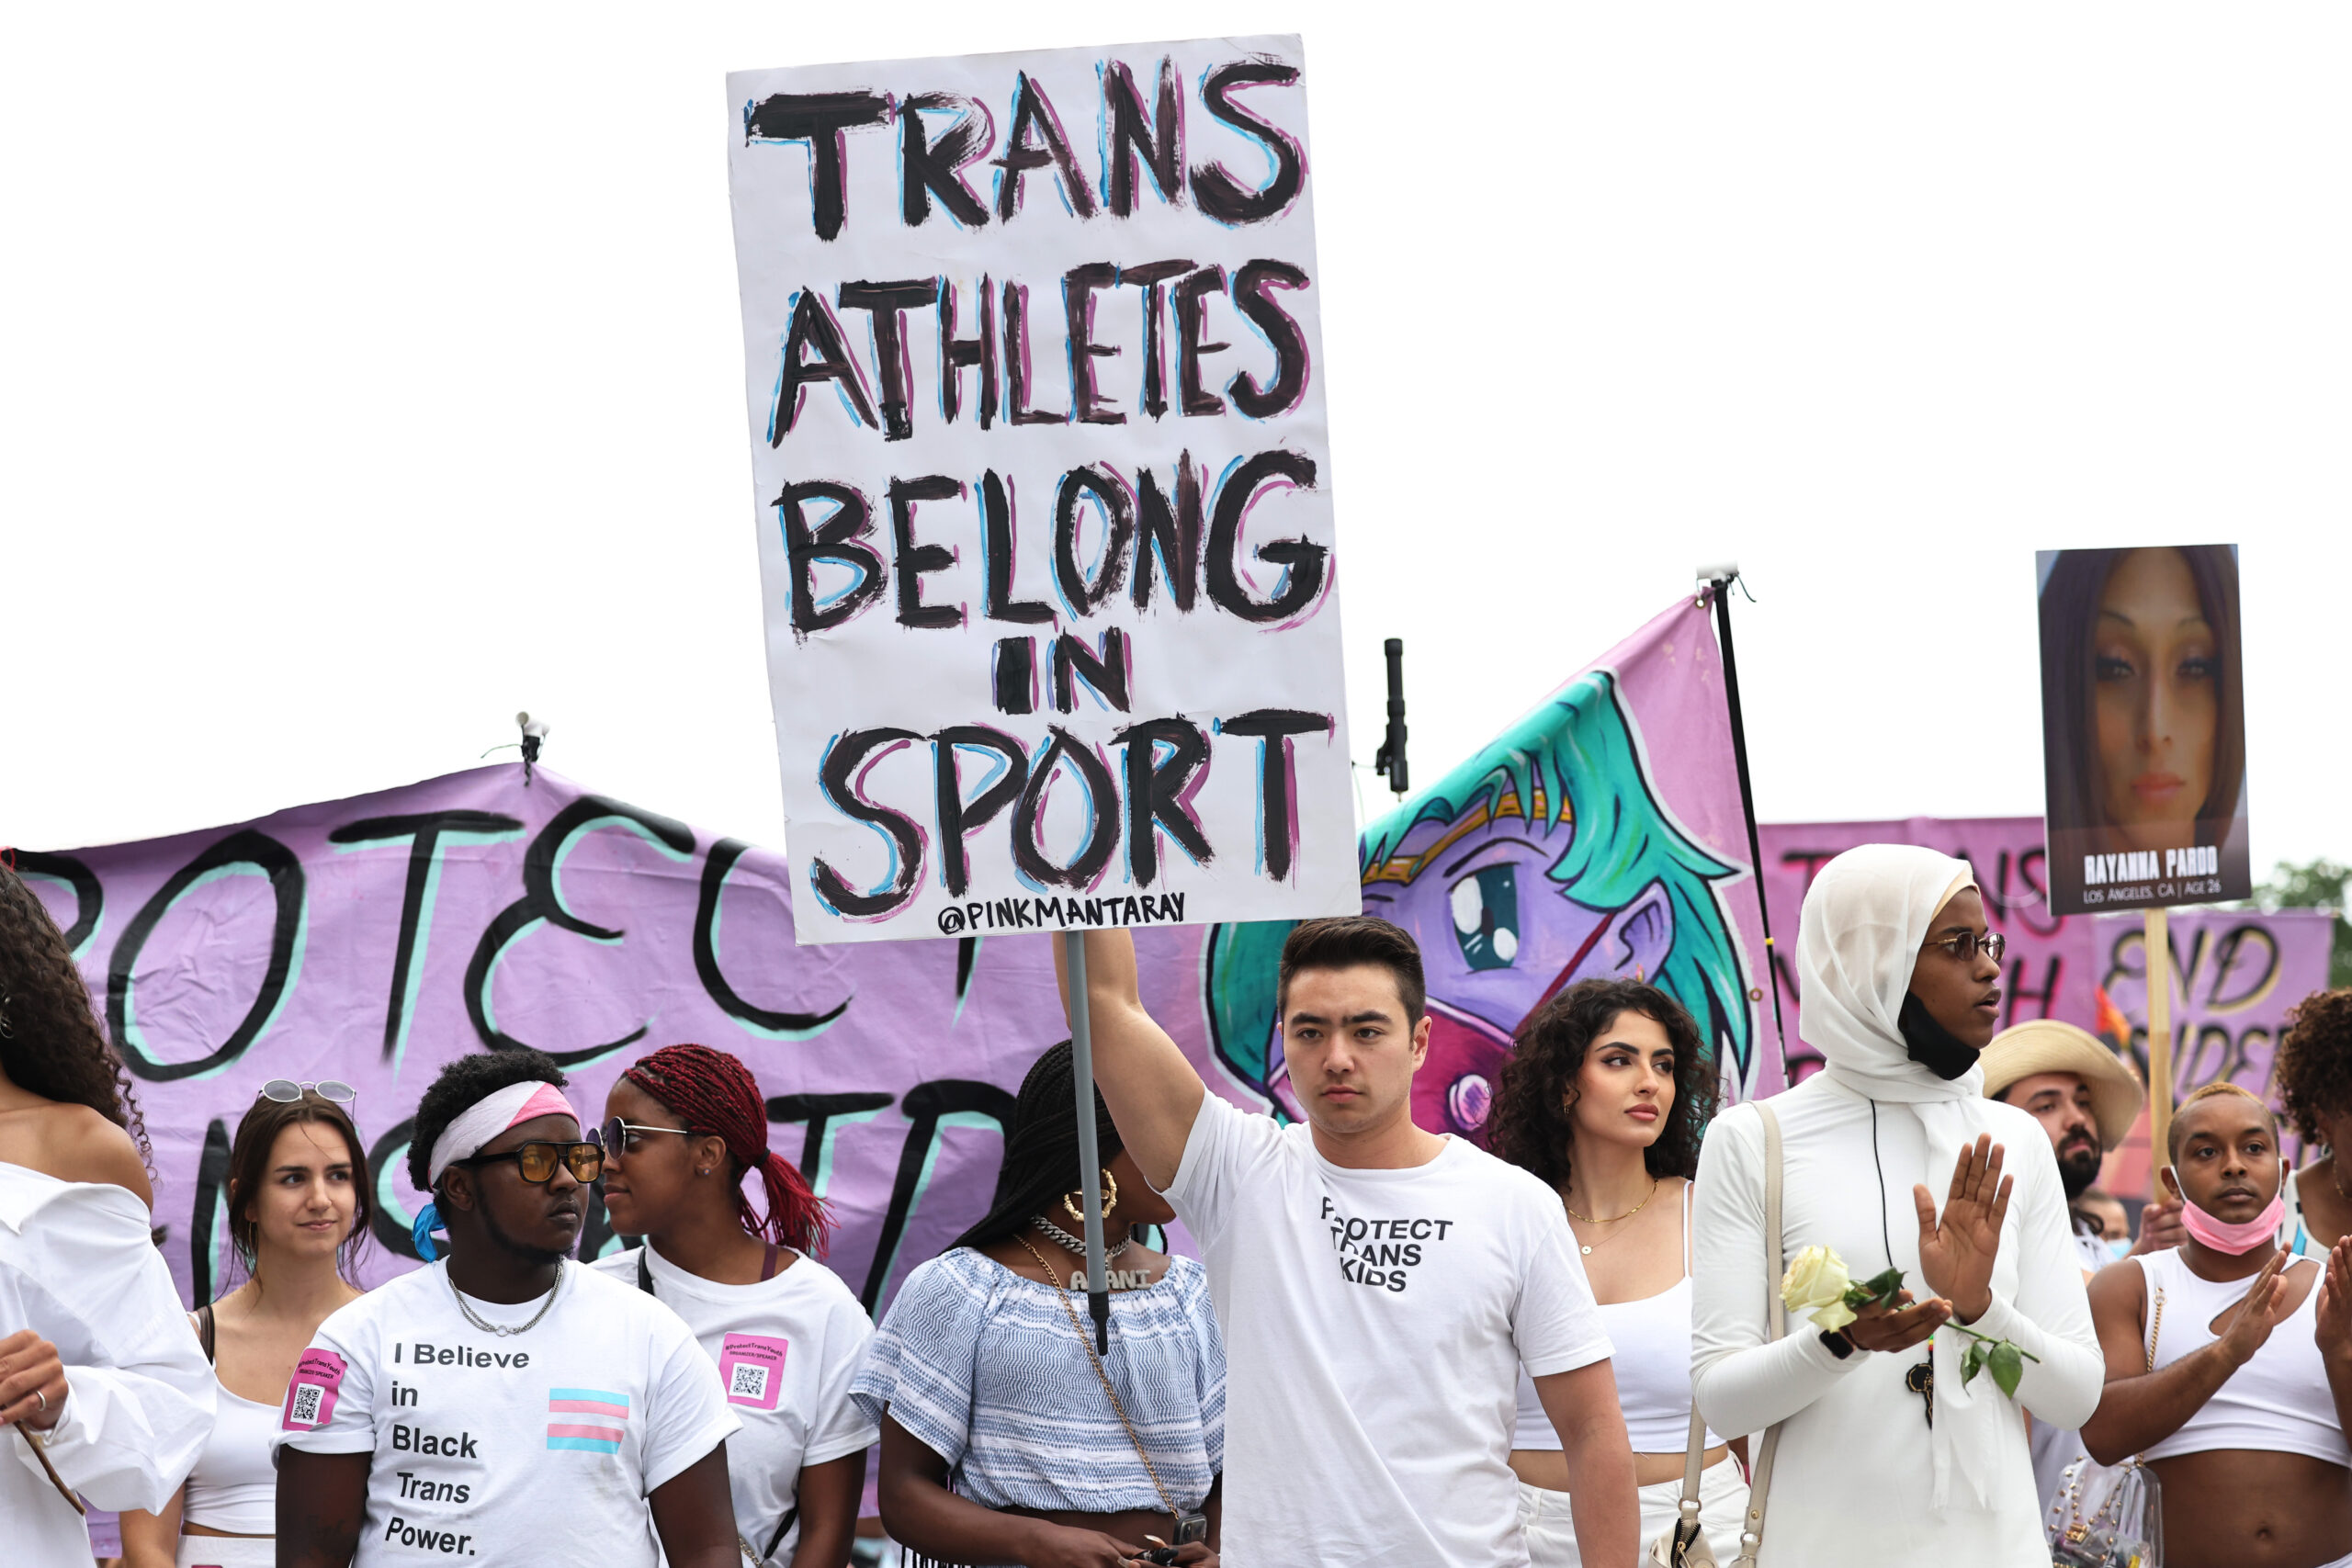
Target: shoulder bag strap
1759,1482
204,1332
1686,1526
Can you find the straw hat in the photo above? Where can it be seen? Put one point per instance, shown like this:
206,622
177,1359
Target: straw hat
2046,1046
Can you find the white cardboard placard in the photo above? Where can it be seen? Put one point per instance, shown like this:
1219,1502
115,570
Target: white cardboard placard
1033,369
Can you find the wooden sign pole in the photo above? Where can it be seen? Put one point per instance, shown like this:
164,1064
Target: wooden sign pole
2156,950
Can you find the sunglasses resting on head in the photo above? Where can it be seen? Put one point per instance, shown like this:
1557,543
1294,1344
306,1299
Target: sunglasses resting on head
286,1091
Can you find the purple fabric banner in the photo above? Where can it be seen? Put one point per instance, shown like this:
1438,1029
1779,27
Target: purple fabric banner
2236,974
375,939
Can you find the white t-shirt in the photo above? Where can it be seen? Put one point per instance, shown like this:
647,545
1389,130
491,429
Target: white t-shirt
1374,1324
787,1349
541,1446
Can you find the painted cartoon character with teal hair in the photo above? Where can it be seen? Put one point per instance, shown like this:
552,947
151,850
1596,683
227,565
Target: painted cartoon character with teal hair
1545,859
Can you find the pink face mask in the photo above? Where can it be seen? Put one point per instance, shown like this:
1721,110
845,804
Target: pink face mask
2224,1236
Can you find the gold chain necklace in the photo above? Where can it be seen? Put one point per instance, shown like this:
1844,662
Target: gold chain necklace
1612,1219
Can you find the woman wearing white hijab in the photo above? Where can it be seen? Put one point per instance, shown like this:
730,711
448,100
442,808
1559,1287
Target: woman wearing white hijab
1899,993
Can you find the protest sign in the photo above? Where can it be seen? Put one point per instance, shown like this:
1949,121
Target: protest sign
2236,974
2050,969
2144,727
1033,368
1600,836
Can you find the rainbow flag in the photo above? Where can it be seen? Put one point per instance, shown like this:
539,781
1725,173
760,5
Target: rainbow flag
590,1418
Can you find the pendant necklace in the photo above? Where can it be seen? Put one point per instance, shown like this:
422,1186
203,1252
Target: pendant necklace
1616,1218
500,1329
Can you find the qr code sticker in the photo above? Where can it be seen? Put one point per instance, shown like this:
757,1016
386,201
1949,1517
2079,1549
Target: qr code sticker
750,1382
306,1403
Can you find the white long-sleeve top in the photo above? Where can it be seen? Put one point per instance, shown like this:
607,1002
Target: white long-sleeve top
1852,1482
77,1267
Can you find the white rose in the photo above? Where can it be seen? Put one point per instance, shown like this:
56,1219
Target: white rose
1816,1279
1833,1317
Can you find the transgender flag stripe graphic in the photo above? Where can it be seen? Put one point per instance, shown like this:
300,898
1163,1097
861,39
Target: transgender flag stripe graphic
594,1419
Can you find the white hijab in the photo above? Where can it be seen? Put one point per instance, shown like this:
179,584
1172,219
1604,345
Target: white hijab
1865,918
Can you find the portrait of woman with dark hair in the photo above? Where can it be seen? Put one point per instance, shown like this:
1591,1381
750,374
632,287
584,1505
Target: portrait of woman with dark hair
2144,726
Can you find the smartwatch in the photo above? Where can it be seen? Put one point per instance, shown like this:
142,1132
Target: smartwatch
1835,1342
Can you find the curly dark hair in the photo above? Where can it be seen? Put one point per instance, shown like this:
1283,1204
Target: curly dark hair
52,1044
1529,1125
2316,1060
464,1084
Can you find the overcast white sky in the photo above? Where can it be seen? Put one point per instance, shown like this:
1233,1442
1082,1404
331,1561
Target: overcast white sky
371,374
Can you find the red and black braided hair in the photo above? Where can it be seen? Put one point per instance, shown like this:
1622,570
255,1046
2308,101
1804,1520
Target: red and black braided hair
714,1093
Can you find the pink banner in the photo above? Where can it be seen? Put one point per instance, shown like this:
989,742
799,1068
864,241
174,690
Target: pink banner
2050,966
1599,835
2235,972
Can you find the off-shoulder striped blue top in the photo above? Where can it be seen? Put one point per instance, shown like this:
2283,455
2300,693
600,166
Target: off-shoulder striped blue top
985,1368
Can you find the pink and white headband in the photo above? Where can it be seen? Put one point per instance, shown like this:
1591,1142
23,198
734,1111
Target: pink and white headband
489,1116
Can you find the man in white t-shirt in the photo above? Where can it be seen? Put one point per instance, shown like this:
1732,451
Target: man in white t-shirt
505,1404
1379,1286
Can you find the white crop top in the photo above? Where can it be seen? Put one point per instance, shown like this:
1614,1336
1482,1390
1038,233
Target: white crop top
234,1485
2278,1402
1651,1359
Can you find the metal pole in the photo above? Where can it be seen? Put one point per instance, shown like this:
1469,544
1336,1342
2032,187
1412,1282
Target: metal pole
1719,580
1090,1158
2155,945
1390,759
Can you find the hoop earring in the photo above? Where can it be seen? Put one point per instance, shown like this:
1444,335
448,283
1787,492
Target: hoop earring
1110,1197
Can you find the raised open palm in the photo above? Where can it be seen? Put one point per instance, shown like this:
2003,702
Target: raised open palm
2331,1326
2263,1308
1956,1253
